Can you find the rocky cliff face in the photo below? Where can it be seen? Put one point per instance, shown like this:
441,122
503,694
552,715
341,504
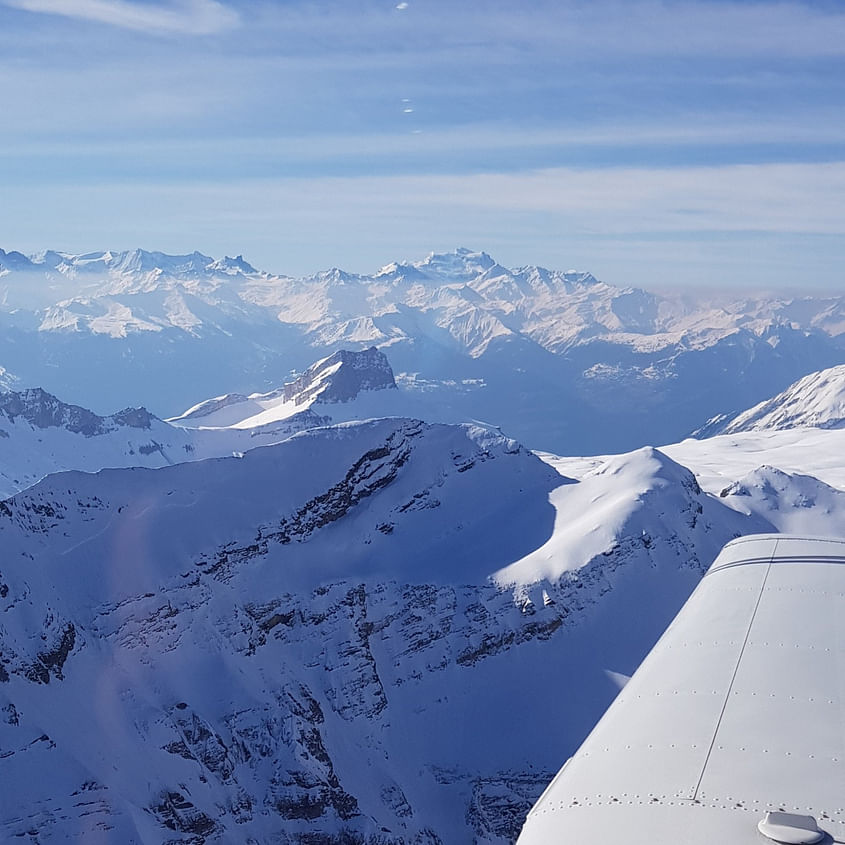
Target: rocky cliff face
43,410
341,377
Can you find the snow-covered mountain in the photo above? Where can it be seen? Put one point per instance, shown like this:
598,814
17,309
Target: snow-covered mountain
370,630
815,401
559,359
341,378
385,631
40,434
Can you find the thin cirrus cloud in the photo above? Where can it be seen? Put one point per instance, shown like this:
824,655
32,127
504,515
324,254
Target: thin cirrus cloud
766,225
187,17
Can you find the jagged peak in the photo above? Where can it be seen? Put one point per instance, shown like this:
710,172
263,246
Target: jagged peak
232,266
341,376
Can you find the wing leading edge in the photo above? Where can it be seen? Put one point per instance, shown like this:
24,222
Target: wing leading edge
733,727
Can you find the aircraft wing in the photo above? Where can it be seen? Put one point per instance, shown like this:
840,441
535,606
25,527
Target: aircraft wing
733,728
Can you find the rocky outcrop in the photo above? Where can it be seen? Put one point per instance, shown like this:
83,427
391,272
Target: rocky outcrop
43,410
341,377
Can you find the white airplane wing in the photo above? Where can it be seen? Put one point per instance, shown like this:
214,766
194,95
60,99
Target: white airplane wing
733,728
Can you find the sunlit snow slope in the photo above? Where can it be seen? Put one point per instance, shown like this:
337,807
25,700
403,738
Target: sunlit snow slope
815,401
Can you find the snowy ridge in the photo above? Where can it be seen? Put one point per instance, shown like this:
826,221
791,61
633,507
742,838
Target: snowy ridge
40,435
815,401
791,502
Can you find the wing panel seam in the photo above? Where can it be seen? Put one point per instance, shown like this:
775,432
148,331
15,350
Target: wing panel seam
694,795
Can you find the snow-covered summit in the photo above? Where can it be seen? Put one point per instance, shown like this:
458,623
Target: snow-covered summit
461,265
340,378
815,401
232,266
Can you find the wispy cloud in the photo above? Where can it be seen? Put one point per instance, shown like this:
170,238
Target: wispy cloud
564,217
683,28
563,29
190,17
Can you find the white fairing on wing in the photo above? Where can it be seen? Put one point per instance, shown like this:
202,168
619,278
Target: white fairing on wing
736,712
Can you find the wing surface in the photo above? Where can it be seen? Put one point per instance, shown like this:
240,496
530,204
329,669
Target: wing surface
736,713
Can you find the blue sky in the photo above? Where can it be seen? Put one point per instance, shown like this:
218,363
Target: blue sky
652,143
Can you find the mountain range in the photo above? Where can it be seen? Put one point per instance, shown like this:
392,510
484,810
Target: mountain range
311,584
560,360
367,629
40,434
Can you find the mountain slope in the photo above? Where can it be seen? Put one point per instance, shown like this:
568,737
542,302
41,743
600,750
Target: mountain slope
815,401
304,644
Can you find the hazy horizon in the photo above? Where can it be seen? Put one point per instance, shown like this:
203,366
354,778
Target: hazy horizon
683,143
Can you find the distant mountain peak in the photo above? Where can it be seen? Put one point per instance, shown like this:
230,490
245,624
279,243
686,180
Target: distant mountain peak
462,263
341,377
232,266
14,261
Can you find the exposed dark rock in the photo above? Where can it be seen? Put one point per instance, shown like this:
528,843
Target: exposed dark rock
373,471
52,660
176,813
180,749
12,717
133,418
358,371
202,743
43,410
499,805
